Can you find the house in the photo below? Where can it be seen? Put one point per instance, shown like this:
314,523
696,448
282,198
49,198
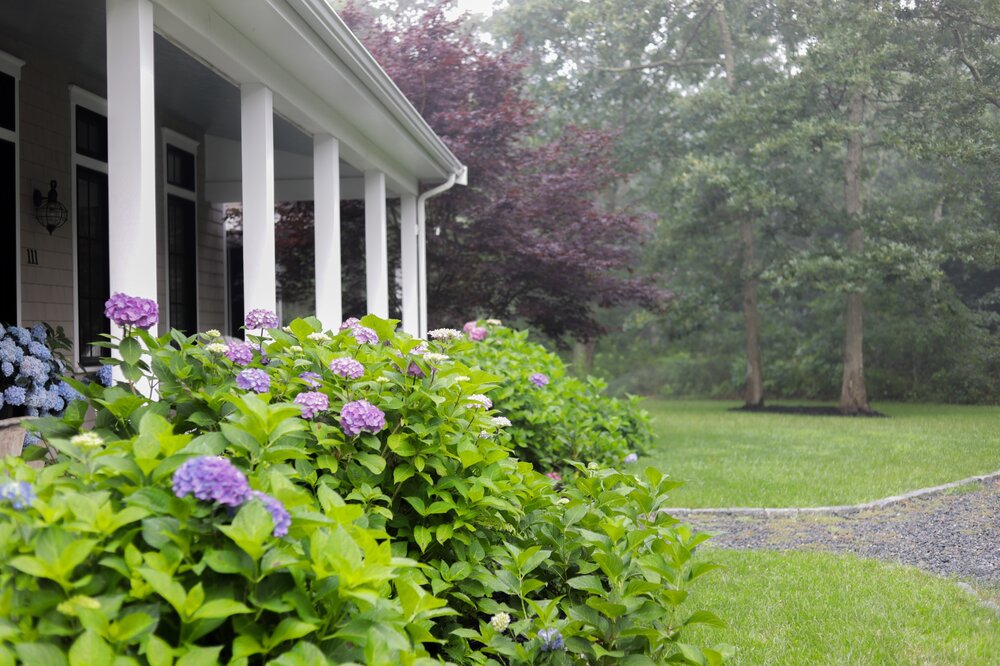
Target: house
135,121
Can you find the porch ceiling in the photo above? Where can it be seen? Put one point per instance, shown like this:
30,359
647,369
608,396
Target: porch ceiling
186,90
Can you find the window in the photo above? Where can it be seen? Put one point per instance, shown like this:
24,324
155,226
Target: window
90,168
182,230
10,245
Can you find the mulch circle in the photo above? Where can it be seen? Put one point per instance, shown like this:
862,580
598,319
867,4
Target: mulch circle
805,410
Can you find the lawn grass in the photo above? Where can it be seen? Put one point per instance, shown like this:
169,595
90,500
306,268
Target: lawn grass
818,608
757,459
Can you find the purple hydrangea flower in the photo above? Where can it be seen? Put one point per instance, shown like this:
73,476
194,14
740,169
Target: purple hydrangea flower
67,392
365,335
347,368
126,310
39,333
279,514
413,370
311,378
361,416
239,353
312,403
211,479
469,325
254,379
478,333
350,322
105,376
260,318
15,395
8,368
551,640
18,493
632,457
539,379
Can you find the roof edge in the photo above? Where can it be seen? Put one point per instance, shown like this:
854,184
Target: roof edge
362,63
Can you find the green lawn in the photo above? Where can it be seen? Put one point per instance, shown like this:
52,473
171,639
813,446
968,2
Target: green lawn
817,608
745,459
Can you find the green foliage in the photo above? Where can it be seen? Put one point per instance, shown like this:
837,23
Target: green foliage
403,541
569,418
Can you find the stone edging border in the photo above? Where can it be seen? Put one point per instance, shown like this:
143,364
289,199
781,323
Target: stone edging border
842,509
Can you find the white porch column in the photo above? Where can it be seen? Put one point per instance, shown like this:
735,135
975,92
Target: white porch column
409,263
326,202
422,266
131,149
376,252
257,132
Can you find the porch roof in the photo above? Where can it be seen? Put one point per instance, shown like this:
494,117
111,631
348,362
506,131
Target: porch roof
323,79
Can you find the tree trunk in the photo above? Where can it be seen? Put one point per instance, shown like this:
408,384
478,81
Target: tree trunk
753,395
853,394
583,357
753,391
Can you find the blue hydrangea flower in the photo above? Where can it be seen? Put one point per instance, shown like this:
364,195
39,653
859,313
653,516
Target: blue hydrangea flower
39,333
54,402
15,395
67,392
8,368
37,398
18,493
279,514
35,369
104,376
551,640
10,352
39,350
31,439
211,479
22,335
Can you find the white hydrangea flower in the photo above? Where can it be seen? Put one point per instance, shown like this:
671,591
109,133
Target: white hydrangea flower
563,500
436,358
485,435
494,322
479,401
382,380
501,421
319,337
444,334
216,348
593,465
286,329
87,440
295,349
500,621
213,333
461,378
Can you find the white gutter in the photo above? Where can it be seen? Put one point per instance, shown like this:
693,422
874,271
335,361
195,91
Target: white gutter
460,177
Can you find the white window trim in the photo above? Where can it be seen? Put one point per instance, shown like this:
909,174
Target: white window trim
11,66
171,138
88,100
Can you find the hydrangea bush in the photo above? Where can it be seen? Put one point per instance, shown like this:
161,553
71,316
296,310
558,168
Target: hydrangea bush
31,370
555,417
333,517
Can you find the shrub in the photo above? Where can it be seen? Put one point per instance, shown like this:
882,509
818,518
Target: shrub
411,530
555,418
30,369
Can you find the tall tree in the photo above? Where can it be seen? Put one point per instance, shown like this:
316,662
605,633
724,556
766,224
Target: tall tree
526,239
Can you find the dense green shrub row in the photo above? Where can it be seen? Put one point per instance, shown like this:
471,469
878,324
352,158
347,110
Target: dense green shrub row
555,417
340,497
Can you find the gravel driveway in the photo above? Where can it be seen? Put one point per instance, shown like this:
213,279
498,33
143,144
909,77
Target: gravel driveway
956,532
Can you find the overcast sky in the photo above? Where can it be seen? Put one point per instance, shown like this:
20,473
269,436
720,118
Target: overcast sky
478,6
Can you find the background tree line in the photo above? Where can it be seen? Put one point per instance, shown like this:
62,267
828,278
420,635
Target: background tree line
765,198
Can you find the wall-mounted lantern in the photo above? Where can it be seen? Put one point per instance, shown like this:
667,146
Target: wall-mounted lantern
48,211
